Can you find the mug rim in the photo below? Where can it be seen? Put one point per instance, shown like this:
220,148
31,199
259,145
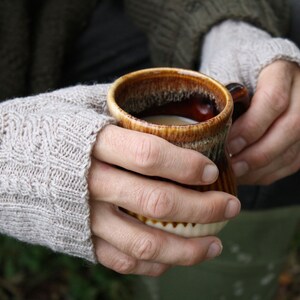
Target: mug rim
211,124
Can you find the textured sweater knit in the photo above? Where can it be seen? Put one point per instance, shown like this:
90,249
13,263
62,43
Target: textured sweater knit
35,36
46,139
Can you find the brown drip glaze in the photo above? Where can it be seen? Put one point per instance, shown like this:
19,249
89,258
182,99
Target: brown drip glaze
188,94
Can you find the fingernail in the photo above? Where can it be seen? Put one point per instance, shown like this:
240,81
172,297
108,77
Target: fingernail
236,145
210,173
215,249
240,168
232,209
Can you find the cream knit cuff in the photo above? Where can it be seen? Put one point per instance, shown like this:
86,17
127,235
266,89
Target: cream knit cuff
235,51
45,148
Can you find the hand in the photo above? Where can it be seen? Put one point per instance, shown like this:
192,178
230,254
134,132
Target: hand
265,141
125,244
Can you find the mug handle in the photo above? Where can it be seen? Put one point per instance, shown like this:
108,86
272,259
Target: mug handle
241,99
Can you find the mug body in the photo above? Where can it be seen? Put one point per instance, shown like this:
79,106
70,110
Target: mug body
204,105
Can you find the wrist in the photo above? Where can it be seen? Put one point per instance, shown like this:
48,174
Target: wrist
237,51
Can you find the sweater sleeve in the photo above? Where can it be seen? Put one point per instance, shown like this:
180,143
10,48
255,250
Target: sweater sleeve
235,51
45,147
175,27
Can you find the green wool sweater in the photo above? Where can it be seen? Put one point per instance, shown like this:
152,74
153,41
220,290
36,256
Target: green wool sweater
176,27
35,36
34,39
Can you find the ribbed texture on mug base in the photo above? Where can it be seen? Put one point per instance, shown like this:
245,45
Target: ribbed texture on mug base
188,230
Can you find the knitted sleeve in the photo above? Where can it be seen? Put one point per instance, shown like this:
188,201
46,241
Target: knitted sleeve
45,147
235,51
175,27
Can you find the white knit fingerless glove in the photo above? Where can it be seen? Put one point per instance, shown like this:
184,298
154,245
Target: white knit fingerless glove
45,148
235,51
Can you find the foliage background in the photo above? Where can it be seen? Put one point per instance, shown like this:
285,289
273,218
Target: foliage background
30,272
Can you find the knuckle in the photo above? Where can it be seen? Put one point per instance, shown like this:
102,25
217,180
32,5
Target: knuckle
158,203
124,265
260,159
97,190
276,99
254,129
211,211
193,167
145,248
194,255
147,154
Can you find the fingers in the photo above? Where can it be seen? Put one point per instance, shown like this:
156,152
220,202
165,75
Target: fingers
270,100
278,141
156,199
153,156
275,154
286,164
112,258
144,243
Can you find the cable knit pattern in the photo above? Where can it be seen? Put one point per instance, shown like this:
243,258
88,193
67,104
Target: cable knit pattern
237,52
45,147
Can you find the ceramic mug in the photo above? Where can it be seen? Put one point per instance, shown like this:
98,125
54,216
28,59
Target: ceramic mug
204,108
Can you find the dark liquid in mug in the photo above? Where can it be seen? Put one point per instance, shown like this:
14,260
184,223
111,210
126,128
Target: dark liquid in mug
193,109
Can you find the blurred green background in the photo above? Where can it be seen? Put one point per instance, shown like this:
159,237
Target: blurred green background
30,272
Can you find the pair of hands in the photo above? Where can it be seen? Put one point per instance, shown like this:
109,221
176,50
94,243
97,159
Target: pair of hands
265,144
